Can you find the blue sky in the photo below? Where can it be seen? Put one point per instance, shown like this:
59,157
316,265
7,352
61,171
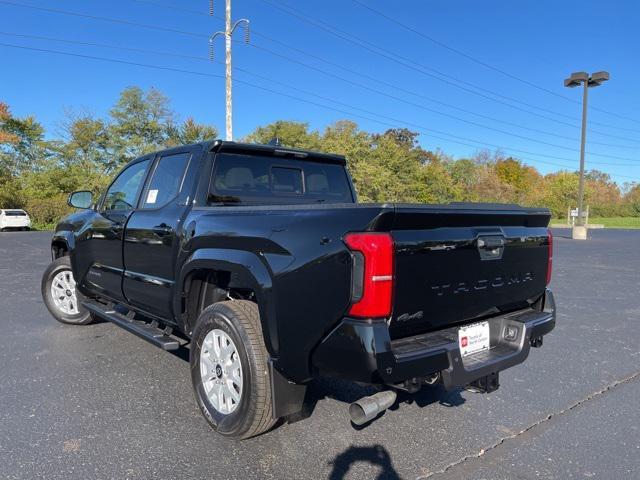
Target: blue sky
456,87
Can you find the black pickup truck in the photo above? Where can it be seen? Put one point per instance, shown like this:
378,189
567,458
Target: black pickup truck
260,261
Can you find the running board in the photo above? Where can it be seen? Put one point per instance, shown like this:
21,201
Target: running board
147,331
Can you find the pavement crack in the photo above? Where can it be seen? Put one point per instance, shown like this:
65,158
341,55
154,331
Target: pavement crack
573,406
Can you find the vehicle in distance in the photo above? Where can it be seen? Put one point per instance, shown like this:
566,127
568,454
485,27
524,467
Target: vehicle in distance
261,261
14,219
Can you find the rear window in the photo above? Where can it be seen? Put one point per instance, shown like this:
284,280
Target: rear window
15,213
265,180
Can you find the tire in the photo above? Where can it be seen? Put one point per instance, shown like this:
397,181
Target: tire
251,414
62,266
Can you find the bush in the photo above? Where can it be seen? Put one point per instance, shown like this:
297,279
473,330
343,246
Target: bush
45,213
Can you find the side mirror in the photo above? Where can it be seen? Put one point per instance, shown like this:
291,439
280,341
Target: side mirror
80,199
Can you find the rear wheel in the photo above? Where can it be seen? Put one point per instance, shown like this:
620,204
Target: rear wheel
229,369
60,295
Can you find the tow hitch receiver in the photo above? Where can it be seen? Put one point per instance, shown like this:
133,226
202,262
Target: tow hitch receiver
486,384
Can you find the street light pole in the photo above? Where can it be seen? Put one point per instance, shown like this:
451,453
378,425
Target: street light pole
583,141
596,79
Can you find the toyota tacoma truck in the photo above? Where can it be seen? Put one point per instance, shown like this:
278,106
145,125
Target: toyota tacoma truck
259,260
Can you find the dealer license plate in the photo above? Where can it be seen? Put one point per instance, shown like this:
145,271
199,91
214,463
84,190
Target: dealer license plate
473,338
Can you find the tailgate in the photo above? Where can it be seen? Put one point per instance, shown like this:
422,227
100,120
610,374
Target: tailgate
461,262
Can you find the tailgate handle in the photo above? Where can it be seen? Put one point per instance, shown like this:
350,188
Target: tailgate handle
490,243
491,247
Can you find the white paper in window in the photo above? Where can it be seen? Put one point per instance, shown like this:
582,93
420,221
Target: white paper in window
151,196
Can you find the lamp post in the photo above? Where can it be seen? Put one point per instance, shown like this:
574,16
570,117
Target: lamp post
596,79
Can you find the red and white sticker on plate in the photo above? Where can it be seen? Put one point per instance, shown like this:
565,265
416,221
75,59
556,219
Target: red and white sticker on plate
473,338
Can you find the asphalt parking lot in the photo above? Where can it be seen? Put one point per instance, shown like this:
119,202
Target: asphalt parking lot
96,402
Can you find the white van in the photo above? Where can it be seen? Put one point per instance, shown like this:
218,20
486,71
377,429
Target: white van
17,219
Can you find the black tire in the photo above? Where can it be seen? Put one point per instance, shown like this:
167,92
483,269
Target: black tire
240,320
54,268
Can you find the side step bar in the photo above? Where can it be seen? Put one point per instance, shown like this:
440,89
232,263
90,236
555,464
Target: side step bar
147,331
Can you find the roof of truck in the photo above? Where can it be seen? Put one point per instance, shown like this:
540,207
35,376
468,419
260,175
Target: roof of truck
277,150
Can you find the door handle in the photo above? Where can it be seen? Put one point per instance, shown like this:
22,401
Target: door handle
116,227
162,230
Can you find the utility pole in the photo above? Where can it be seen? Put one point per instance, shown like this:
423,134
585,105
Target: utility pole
596,79
228,34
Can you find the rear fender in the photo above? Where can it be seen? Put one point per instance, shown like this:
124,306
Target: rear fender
248,271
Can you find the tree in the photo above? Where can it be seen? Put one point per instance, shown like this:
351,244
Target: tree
632,198
6,137
605,198
139,123
189,132
86,142
561,192
289,133
387,166
464,175
23,147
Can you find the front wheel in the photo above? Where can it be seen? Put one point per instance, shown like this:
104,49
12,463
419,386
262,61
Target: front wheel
229,369
60,296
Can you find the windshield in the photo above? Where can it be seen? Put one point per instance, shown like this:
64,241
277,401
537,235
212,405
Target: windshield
267,180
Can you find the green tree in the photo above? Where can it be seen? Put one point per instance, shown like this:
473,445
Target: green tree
139,123
289,133
189,132
561,192
464,175
632,198
24,146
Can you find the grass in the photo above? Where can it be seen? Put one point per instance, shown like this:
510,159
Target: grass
617,222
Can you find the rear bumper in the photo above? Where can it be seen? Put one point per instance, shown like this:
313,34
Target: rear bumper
15,223
364,352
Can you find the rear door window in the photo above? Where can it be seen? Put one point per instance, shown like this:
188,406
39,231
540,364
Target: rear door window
267,180
166,180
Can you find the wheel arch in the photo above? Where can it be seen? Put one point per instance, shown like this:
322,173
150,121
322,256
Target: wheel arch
209,273
61,244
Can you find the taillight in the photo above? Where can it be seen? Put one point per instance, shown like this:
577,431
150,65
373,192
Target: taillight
372,282
550,261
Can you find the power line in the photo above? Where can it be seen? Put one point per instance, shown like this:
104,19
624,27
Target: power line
478,61
429,131
306,53
197,12
93,44
171,30
105,19
396,87
421,68
379,92
175,7
395,57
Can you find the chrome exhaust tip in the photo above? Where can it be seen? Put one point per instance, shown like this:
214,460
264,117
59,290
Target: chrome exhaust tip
368,408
